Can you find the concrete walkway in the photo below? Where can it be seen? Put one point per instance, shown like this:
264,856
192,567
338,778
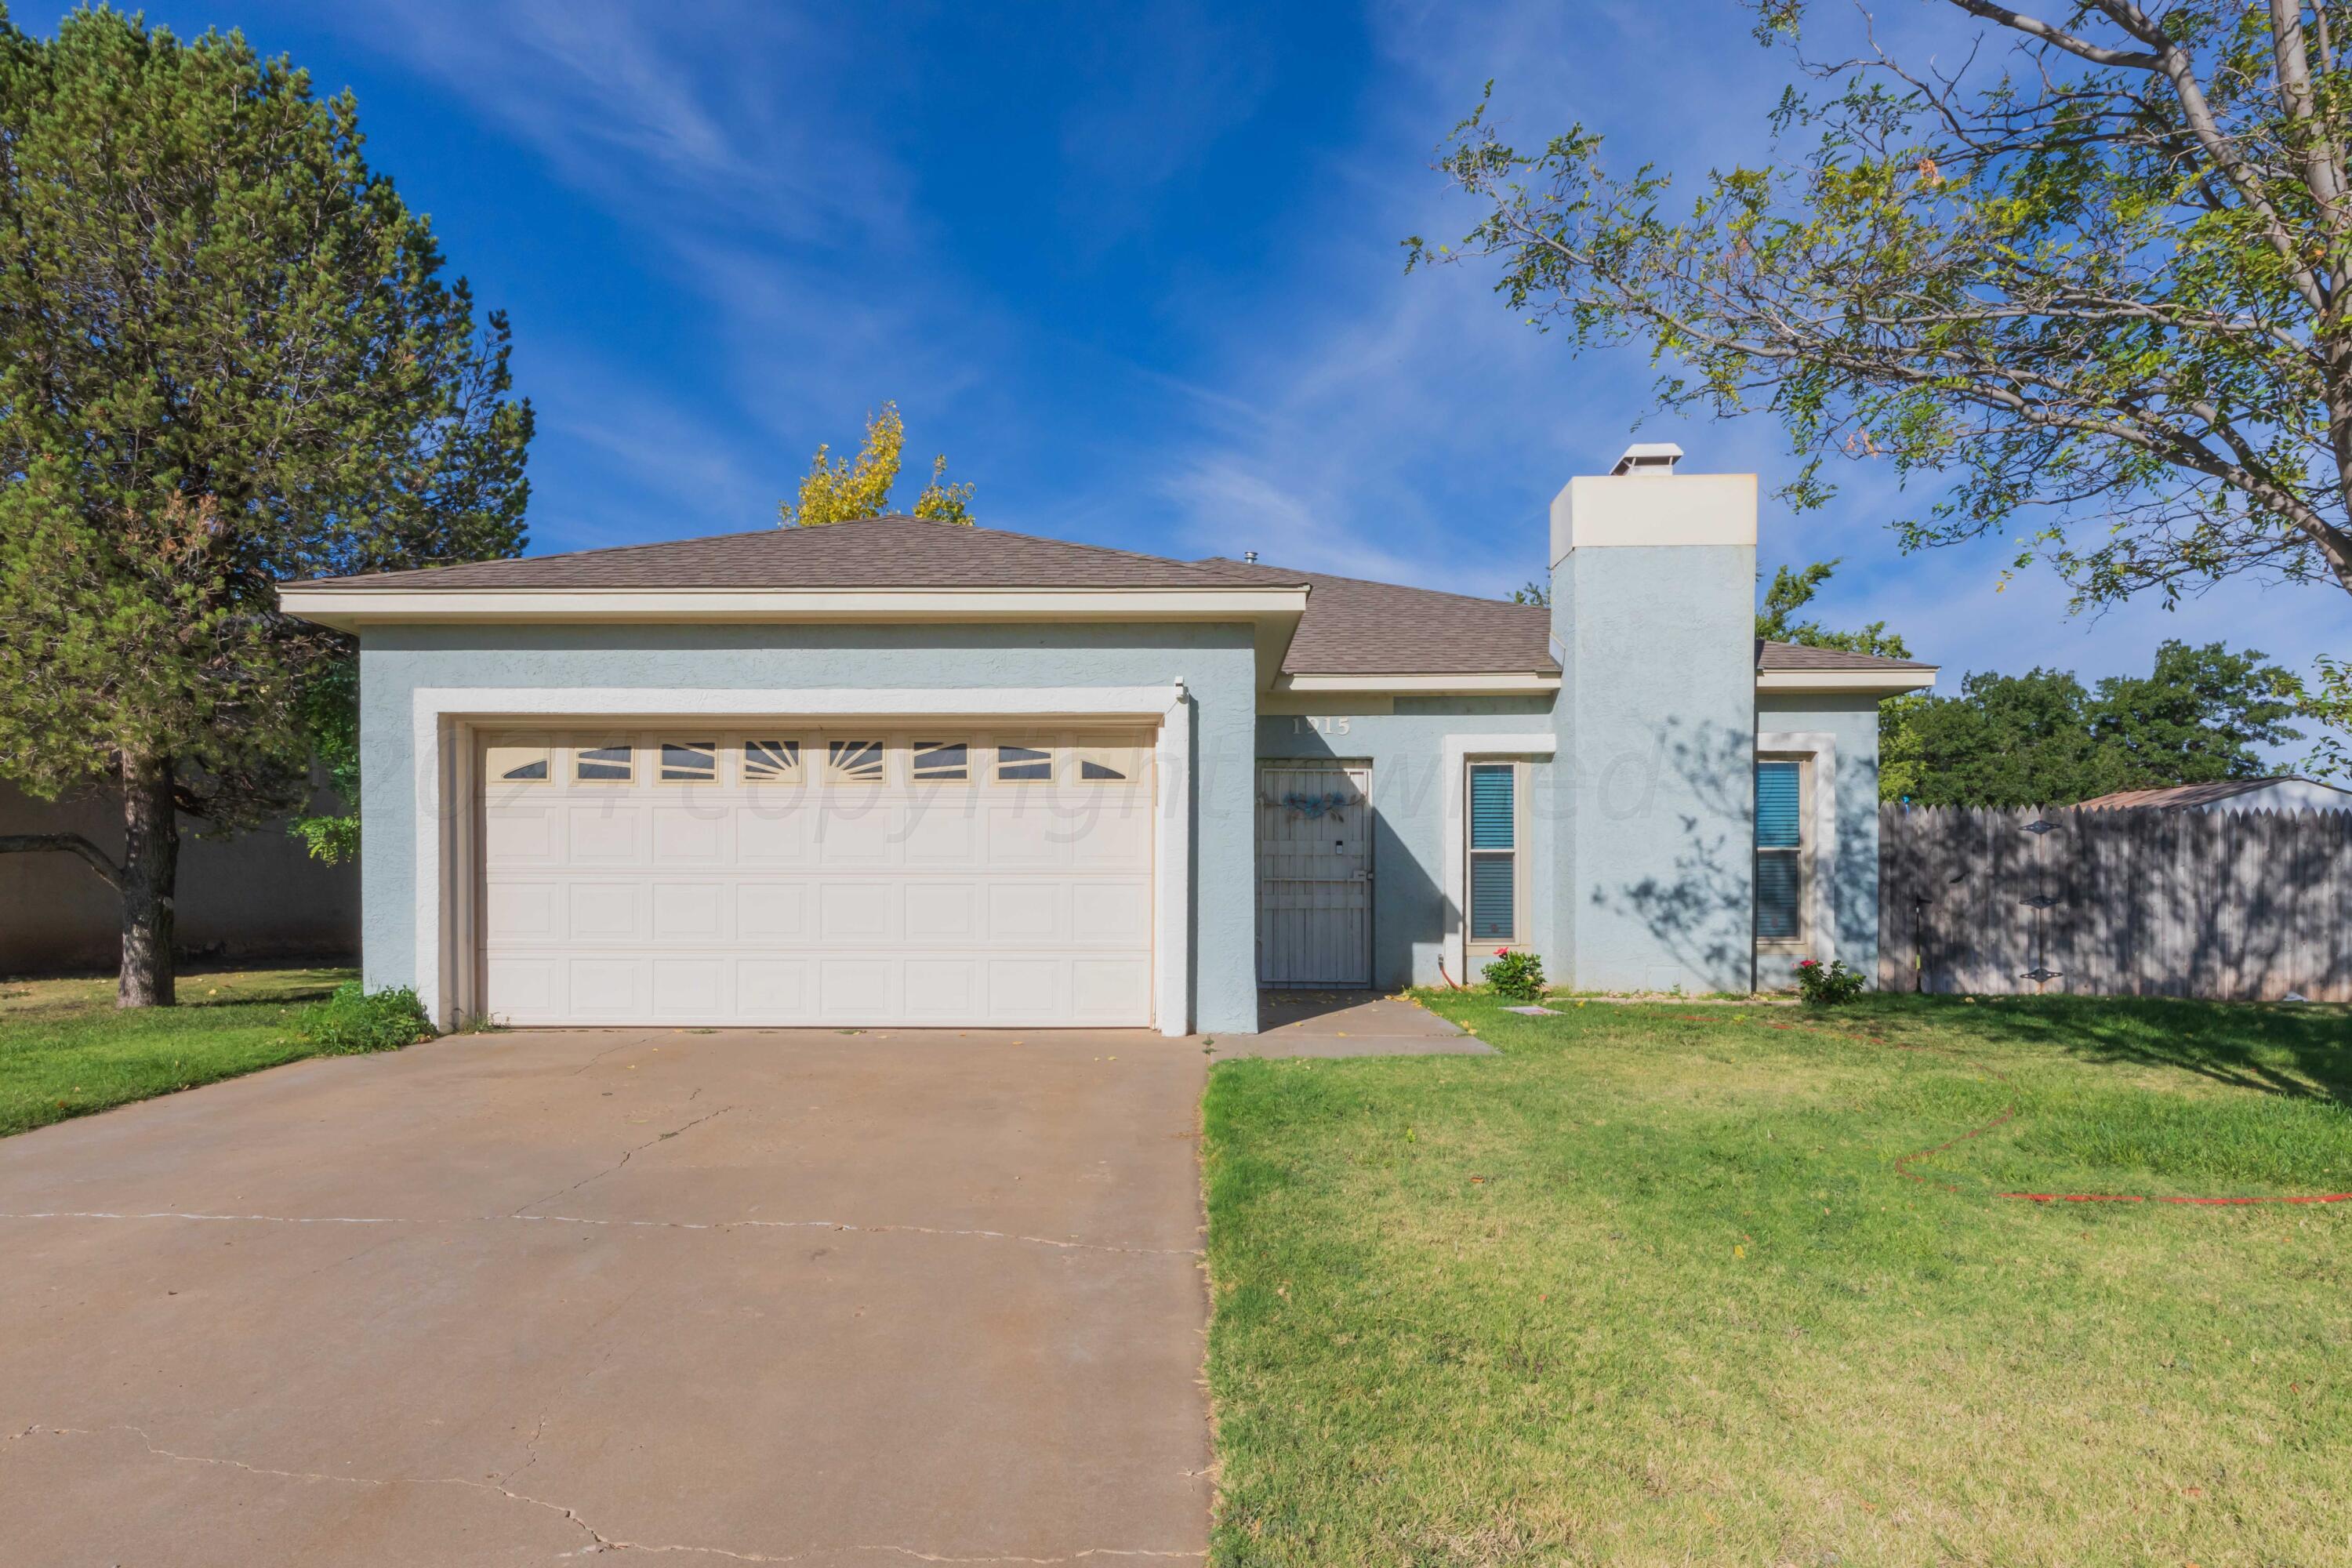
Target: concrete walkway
838,1300
1348,1024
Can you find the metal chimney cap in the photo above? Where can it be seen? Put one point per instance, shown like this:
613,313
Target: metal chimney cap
1649,457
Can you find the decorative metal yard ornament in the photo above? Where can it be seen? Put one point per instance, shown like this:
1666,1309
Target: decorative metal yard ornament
2038,827
1314,805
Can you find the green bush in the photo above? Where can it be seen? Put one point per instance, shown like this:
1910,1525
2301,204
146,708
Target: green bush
1515,975
1830,985
354,1020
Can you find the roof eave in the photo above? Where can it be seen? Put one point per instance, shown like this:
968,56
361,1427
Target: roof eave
1846,682
353,608
1424,682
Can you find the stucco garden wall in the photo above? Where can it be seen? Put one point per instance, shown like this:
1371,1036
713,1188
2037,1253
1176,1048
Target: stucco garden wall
1217,662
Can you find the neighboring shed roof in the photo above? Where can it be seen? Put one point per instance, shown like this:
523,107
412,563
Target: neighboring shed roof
875,552
2178,797
1355,627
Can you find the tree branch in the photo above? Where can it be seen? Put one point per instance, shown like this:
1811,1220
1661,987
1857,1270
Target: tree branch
2034,27
70,844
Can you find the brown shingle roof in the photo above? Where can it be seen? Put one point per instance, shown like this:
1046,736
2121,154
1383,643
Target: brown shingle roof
1355,627
1351,626
875,552
1798,656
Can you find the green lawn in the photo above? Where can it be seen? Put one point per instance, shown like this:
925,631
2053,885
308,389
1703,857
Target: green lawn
64,1050
1649,1288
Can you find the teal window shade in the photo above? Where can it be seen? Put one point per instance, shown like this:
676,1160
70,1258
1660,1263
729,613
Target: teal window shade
1493,881
1494,853
1494,824
1779,852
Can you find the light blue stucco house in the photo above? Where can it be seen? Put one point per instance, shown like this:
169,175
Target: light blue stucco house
904,772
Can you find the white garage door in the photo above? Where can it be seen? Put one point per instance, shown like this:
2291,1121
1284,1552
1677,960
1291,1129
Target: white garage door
847,875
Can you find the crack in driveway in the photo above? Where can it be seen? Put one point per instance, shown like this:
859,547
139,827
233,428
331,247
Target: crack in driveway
615,1167
597,1541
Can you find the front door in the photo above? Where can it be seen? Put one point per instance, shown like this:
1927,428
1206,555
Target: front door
1314,874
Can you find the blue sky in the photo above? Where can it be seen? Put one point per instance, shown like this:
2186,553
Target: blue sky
1134,269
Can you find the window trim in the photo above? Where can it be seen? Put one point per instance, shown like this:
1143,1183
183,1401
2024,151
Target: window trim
1519,940
660,748
1052,758
917,778
1801,853
837,777
1817,836
576,753
548,754
793,777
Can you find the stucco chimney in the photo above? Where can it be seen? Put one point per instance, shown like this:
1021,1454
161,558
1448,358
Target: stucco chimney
1654,607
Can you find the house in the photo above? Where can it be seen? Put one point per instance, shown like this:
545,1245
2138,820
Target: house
2283,794
904,772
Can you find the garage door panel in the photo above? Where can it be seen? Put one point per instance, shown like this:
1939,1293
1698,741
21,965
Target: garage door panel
856,911
605,834
689,911
691,835
774,912
858,833
1023,988
1025,911
942,833
940,913
521,912
853,989
689,988
1110,914
605,911
800,898
941,990
523,835
772,834
607,986
774,988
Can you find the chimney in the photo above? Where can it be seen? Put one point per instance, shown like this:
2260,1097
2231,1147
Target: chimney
1653,458
1654,610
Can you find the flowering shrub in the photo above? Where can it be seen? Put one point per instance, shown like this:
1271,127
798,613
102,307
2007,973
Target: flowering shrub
1515,976
1830,985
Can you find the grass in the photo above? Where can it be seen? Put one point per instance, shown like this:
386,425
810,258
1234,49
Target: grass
66,1051
1648,1287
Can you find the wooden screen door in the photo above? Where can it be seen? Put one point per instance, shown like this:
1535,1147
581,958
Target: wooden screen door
1314,874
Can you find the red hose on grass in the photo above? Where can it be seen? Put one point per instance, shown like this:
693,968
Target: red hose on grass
1903,1165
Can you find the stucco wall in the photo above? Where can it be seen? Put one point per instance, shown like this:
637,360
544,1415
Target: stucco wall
1657,717
1217,663
257,895
1852,878
1413,811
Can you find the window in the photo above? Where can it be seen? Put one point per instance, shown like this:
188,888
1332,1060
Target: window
600,764
771,762
689,762
941,761
855,761
1018,764
516,764
1779,852
1111,764
1493,852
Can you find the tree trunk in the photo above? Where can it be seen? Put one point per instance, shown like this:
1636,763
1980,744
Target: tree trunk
151,864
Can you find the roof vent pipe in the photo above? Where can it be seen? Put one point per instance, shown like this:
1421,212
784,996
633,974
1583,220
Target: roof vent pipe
1649,457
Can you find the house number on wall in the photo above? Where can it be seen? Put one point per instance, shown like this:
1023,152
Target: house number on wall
1300,726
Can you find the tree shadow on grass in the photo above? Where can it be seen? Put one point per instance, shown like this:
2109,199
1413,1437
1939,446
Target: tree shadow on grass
2296,1051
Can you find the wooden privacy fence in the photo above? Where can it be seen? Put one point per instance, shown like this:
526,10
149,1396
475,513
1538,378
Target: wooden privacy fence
2230,905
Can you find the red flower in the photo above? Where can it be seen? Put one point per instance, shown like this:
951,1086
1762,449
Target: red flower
1809,964
1502,952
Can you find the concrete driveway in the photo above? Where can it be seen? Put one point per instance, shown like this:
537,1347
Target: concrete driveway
751,1296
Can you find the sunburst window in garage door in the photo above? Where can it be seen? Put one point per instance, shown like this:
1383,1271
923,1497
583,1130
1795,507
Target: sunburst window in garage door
941,761
516,764
771,762
855,761
1023,764
608,764
689,762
